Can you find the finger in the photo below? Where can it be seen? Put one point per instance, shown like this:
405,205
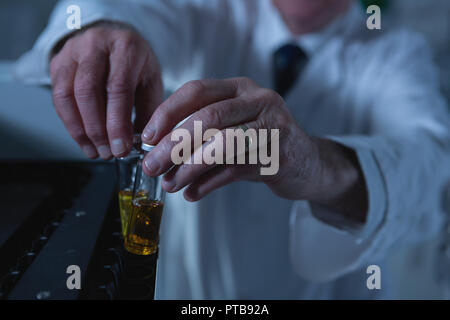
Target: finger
126,64
148,96
223,114
66,107
216,178
191,97
89,95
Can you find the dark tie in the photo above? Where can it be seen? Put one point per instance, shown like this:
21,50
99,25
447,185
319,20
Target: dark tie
288,62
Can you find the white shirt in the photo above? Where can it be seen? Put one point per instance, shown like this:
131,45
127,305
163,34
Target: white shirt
374,91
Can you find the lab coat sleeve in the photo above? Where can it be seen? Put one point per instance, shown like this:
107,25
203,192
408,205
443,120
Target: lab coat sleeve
171,27
404,158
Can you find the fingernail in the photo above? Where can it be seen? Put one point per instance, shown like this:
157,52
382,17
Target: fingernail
90,151
148,134
152,165
104,151
118,147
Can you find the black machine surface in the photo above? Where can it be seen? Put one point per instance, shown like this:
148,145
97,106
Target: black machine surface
58,214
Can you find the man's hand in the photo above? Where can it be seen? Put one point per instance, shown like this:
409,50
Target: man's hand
314,169
97,77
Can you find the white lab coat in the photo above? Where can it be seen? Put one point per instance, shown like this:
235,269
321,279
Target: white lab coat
374,91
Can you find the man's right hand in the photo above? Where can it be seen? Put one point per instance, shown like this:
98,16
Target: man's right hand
97,77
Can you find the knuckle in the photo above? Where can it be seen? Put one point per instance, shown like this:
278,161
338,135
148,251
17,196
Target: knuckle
119,85
211,115
91,35
247,82
60,71
243,85
69,45
130,40
91,42
77,133
89,58
269,95
86,91
194,87
274,95
89,73
126,40
91,63
62,94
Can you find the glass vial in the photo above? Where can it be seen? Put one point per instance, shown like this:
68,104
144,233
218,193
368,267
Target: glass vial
126,172
142,236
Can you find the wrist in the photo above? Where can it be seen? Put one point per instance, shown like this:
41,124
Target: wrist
340,184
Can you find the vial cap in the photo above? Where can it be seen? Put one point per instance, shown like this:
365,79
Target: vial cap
146,147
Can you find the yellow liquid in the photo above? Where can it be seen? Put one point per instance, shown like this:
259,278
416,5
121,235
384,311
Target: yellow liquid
143,231
125,209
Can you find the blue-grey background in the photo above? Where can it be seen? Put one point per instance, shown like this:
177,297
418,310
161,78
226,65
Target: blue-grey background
30,129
